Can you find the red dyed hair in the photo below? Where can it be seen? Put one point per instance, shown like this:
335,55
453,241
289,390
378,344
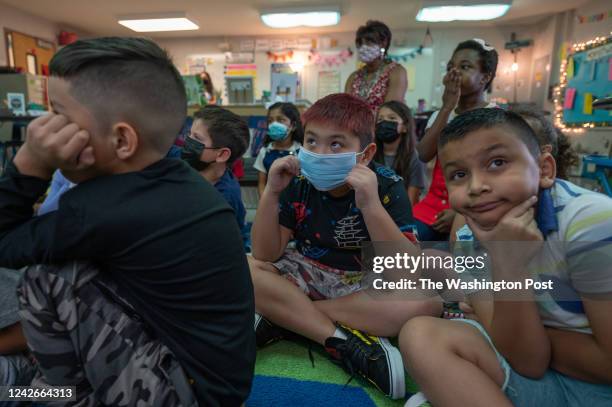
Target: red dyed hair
345,112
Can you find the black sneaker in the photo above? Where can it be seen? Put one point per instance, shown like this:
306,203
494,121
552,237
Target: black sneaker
266,332
373,358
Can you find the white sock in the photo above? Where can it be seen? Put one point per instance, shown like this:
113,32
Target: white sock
339,334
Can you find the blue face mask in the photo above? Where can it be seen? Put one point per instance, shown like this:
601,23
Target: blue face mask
326,171
278,131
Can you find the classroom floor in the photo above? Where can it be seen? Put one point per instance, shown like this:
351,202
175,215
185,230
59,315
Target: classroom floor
284,376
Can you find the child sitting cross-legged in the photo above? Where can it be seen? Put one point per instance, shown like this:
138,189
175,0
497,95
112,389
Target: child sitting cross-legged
531,347
332,198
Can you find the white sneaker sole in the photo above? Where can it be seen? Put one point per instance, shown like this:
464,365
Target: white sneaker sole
396,369
258,318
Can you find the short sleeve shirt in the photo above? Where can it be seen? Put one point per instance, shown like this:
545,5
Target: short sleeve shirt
331,230
577,225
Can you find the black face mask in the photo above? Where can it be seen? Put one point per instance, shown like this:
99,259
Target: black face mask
386,131
192,151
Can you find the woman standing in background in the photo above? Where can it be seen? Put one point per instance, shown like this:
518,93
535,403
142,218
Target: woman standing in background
380,79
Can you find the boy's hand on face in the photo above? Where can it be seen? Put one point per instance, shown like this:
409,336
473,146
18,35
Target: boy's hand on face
444,221
281,173
363,180
518,225
53,142
452,89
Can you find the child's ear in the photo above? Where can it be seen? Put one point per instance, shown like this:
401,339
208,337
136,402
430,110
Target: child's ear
546,148
485,79
223,155
126,140
368,153
548,170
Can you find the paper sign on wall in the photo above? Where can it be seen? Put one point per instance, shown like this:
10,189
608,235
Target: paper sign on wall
570,68
570,96
262,45
247,45
588,104
592,70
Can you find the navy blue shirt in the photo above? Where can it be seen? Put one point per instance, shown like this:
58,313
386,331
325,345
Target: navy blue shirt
229,187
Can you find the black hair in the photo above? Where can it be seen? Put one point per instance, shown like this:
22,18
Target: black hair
485,118
488,59
226,129
374,31
401,163
207,82
547,133
129,79
293,114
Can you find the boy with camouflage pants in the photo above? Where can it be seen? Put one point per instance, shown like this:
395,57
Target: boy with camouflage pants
122,297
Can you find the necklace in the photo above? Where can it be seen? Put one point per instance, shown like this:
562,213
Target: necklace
366,86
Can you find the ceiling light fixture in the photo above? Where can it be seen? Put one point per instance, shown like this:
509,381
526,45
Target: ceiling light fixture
301,17
470,10
157,22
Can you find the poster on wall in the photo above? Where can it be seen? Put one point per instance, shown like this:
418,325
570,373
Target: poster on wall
328,83
262,45
284,87
586,87
16,102
247,45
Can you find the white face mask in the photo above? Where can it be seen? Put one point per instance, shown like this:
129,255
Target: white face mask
369,53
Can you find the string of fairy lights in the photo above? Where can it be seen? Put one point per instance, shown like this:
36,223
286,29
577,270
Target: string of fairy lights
559,91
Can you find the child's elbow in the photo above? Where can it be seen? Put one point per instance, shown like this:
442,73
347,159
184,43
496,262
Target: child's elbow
533,367
422,154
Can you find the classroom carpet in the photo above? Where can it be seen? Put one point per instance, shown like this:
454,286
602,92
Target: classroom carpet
285,377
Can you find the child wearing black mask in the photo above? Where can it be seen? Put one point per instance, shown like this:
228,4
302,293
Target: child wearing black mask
217,139
395,146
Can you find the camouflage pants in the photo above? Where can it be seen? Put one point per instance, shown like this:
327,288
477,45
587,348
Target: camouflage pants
83,334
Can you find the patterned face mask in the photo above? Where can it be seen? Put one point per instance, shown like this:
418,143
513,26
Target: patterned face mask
369,53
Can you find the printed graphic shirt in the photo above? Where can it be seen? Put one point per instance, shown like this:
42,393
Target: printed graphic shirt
331,230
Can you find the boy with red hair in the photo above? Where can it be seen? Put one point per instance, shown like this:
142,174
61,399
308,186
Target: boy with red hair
331,199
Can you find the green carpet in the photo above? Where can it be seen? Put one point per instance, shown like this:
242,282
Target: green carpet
285,376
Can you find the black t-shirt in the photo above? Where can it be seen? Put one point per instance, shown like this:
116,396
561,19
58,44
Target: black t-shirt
330,230
171,243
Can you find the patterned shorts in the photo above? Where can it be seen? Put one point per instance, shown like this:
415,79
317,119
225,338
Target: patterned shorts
318,281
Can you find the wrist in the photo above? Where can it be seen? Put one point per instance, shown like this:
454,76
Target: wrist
372,208
447,108
269,193
27,165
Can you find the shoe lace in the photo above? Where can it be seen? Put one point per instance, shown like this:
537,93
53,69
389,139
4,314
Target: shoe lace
357,362
310,354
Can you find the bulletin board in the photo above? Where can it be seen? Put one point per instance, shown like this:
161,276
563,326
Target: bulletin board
32,54
588,82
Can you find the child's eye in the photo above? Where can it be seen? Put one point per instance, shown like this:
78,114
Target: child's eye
465,67
498,162
457,175
335,145
310,142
